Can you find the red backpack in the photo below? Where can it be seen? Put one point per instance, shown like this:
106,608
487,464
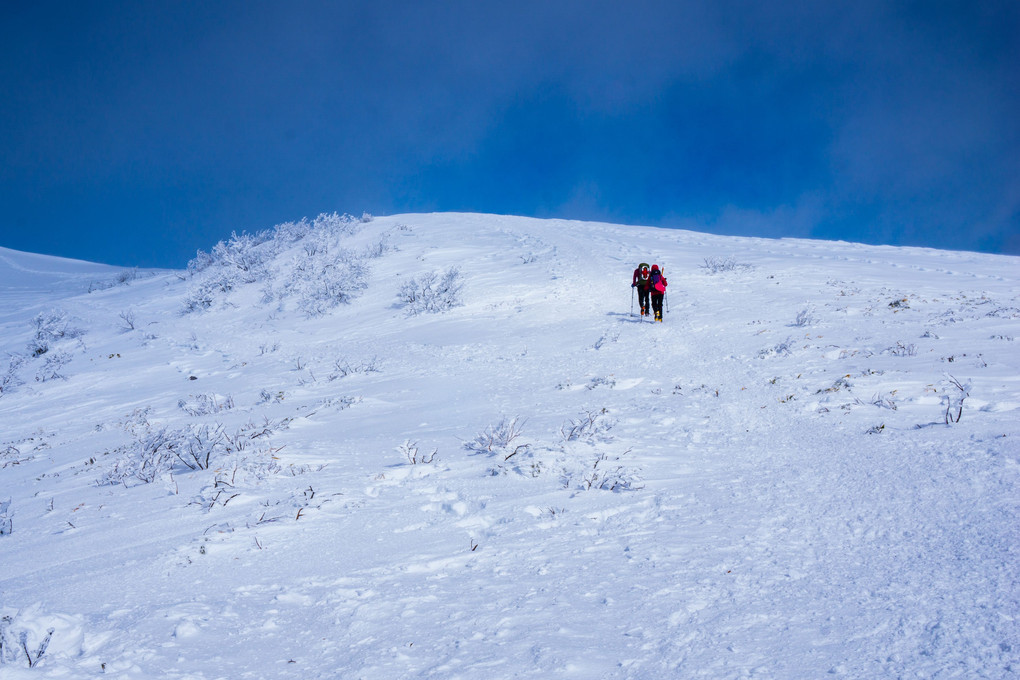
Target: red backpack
658,280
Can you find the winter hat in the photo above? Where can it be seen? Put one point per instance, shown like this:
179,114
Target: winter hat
655,267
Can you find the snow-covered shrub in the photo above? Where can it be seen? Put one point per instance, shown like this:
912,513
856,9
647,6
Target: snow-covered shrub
414,456
50,328
954,394
252,430
326,274
524,460
902,303
123,278
6,518
155,451
339,403
9,379
431,292
128,317
715,265
204,404
208,291
590,426
335,224
11,455
326,231
783,349
884,401
805,317
321,284
344,368
606,474
158,451
199,446
199,263
149,458
52,366
842,383
377,249
601,381
266,397
291,232
901,350
242,259
500,439
15,647
26,636
242,254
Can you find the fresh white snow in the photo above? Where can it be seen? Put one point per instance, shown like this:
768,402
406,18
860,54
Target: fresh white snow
810,469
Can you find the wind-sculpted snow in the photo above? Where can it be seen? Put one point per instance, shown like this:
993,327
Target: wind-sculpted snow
809,469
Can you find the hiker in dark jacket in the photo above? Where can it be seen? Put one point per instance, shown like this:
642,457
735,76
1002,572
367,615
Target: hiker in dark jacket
643,282
657,284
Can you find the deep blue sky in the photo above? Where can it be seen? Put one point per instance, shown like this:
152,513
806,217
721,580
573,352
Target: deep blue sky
135,133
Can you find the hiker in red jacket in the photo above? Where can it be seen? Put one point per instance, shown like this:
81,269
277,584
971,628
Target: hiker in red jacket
657,284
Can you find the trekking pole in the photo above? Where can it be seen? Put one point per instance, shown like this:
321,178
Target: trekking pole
632,300
665,294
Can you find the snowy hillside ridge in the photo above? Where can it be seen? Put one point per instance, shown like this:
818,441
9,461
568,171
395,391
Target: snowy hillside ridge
18,269
446,446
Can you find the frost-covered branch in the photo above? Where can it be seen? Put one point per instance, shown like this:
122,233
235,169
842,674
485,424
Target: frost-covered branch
953,401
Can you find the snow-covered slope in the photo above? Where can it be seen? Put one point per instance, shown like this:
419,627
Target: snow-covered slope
810,468
27,278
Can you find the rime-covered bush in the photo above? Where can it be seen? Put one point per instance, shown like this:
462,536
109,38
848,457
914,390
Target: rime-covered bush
210,290
783,349
205,404
414,456
125,277
290,232
955,393
605,473
321,275
326,278
805,317
431,292
245,255
591,426
199,263
344,368
158,451
902,350
6,517
502,438
325,233
325,274
9,378
715,265
240,260
26,637
53,366
50,328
